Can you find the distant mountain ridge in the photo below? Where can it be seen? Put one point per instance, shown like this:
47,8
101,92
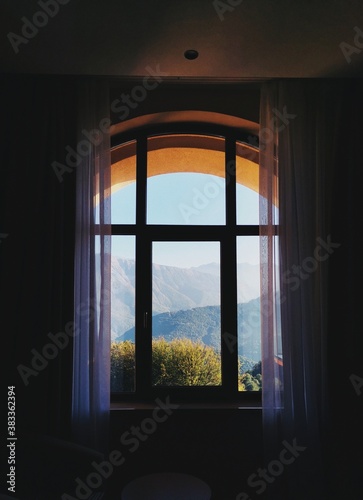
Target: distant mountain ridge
174,289
203,324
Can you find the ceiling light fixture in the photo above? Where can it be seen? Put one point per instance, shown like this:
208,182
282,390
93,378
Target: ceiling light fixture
191,54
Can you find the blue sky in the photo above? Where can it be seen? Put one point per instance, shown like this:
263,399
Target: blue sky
185,198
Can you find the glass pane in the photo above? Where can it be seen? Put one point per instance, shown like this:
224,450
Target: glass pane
247,206
247,189
248,321
123,182
186,180
123,314
186,323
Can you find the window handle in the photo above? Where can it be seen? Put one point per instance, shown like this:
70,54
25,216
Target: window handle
145,319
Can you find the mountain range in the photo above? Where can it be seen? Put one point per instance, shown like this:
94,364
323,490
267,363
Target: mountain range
174,289
186,303
203,324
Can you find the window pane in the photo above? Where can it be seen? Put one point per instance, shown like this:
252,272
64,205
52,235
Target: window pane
249,322
123,314
186,180
247,178
123,182
186,323
247,206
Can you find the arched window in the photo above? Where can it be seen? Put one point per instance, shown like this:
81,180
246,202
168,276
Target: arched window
185,263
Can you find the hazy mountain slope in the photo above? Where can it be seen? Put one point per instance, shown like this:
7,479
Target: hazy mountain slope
203,324
174,289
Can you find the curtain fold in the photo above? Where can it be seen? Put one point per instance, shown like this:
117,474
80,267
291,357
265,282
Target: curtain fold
269,276
91,367
299,121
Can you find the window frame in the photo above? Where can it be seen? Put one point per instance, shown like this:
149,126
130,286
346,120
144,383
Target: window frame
227,234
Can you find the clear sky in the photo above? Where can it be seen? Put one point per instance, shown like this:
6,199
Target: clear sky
185,198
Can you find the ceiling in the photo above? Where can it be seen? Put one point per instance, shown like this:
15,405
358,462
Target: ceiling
247,39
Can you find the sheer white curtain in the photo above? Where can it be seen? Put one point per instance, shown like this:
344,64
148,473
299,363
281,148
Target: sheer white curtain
91,368
272,386
298,125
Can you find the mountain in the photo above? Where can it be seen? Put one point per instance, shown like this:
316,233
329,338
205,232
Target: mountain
122,295
174,289
248,286
203,324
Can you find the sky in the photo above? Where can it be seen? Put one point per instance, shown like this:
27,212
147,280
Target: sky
185,198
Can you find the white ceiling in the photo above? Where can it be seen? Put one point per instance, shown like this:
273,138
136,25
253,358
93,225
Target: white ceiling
256,38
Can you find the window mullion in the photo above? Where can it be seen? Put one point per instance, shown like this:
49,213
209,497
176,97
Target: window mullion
231,212
141,181
143,278
229,279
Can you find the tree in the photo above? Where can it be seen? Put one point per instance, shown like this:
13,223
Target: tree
249,382
180,362
251,379
183,362
122,366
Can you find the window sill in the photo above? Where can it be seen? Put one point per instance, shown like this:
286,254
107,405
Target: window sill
223,405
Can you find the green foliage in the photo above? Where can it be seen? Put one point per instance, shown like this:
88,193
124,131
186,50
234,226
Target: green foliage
179,362
123,366
182,362
251,380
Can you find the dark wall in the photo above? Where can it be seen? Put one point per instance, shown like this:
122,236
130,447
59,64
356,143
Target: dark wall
36,281
241,100
36,253
223,447
345,355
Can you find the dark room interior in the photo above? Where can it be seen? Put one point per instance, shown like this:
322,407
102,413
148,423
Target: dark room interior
308,49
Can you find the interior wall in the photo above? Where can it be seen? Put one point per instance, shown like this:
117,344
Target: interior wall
36,250
235,100
223,447
344,446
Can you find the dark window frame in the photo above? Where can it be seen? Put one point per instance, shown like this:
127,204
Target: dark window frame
227,235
